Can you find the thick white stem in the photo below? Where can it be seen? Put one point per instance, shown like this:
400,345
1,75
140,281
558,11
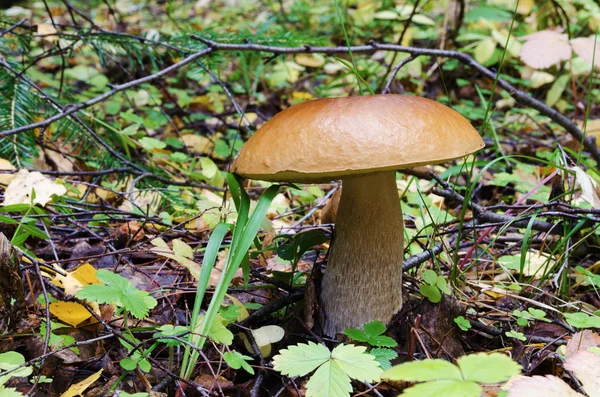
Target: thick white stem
363,279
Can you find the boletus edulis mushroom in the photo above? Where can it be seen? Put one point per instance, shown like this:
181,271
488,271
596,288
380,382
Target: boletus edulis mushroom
362,141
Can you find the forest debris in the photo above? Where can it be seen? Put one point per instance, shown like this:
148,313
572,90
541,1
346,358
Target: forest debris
12,296
440,332
19,189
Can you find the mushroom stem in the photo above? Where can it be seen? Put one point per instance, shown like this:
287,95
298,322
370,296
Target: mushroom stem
363,279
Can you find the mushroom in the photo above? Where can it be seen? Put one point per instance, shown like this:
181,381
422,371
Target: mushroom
362,141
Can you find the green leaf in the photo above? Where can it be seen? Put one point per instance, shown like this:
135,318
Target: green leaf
431,292
484,50
557,89
301,359
462,323
442,285
374,328
421,371
446,388
356,363
516,335
120,291
430,277
382,340
9,392
330,380
151,143
128,364
356,334
582,320
383,356
219,332
236,361
488,368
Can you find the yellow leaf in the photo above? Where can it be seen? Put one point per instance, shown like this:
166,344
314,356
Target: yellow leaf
74,280
78,388
243,311
310,60
71,313
6,178
48,31
198,144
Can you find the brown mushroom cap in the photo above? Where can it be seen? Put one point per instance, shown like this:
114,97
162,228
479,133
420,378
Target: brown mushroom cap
326,139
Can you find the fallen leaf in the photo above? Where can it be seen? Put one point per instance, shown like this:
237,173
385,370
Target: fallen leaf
582,341
62,163
540,386
584,47
310,60
47,31
198,144
584,365
544,49
72,313
19,189
6,178
589,188
74,280
78,388
181,253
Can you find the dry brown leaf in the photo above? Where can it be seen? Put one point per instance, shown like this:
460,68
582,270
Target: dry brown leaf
540,386
19,189
544,49
586,367
581,341
584,47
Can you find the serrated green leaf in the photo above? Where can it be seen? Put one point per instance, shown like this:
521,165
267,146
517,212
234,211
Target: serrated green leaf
383,357
421,371
446,388
431,292
301,359
96,292
236,361
383,341
329,380
9,392
374,328
356,363
118,290
356,334
488,368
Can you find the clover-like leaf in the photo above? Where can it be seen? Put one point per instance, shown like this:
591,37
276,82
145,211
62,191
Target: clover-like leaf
118,290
